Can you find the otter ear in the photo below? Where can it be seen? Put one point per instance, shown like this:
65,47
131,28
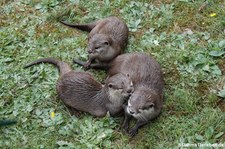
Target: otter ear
128,75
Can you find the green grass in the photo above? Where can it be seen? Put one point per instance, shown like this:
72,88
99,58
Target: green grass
188,43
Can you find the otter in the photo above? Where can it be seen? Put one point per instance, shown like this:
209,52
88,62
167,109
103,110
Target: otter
146,101
107,39
81,92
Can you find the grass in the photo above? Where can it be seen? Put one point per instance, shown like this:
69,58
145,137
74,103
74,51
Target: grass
188,43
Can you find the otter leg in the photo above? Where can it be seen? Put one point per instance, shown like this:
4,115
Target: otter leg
74,111
79,62
91,58
88,63
134,130
104,66
98,112
126,120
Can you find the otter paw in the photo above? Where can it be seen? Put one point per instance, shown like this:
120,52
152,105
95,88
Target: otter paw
86,66
133,132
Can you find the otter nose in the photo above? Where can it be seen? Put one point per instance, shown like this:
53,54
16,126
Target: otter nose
131,111
129,90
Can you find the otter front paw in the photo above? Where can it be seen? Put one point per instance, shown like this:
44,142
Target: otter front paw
87,66
133,132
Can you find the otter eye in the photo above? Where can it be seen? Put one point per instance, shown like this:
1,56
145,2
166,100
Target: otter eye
106,43
148,107
145,108
110,85
151,105
97,48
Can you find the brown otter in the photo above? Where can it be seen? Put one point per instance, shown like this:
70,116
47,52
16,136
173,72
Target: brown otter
80,91
146,102
107,38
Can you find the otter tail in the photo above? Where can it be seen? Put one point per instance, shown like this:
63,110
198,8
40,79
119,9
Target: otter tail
63,67
84,27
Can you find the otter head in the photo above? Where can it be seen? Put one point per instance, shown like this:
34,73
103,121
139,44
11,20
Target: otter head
144,104
100,47
120,87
